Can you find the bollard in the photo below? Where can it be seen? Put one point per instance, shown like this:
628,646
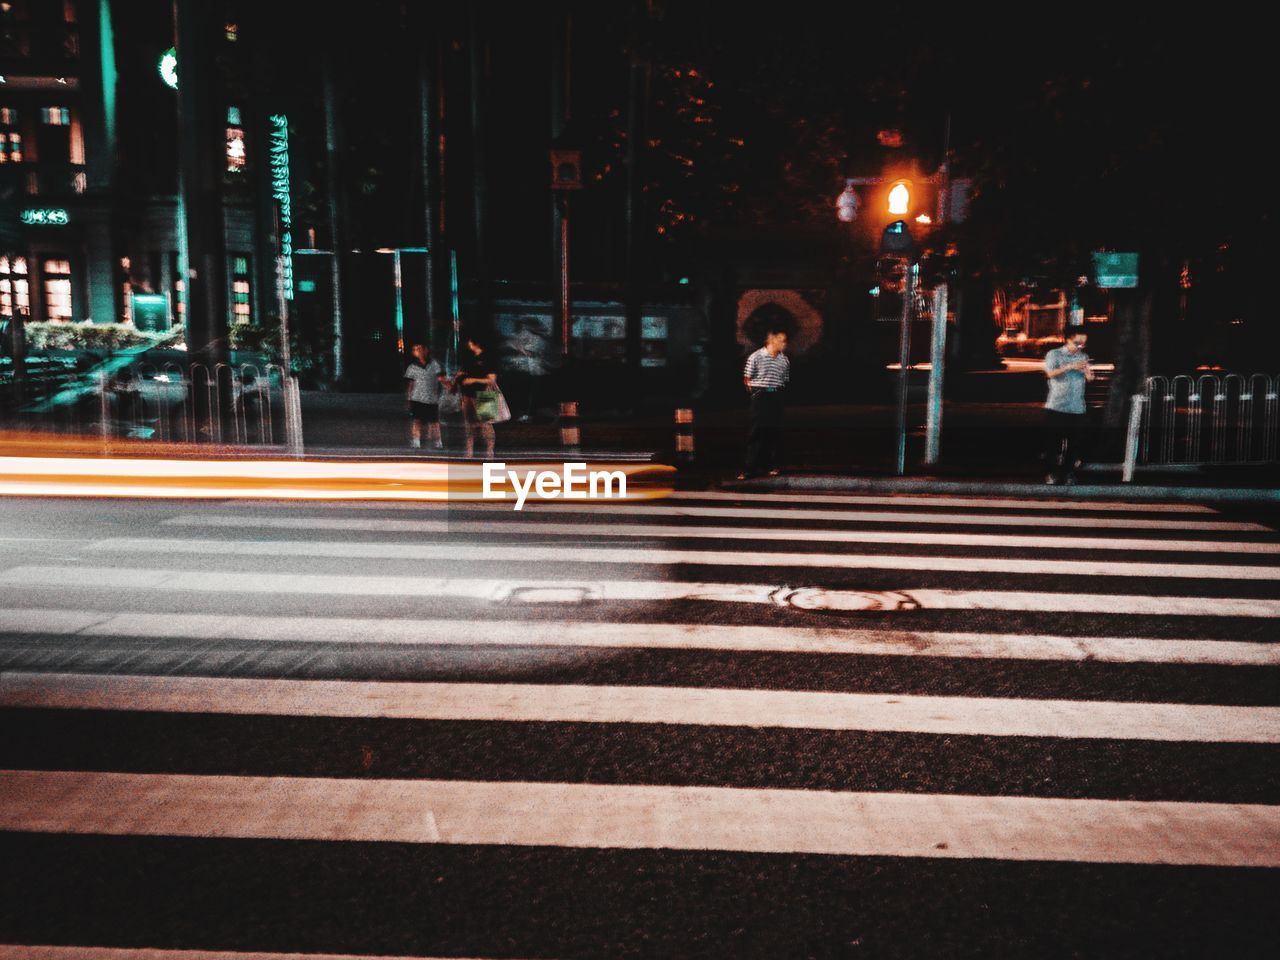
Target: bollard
684,435
570,435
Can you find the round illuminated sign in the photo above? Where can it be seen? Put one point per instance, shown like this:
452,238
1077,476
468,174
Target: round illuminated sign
169,68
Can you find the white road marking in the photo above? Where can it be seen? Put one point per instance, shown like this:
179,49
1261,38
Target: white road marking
867,516
926,500
675,531
605,509
698,706
561,591
576,553
650,636
644,817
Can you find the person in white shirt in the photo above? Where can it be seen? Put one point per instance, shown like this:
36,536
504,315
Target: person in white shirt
766,376
1066,370
422,396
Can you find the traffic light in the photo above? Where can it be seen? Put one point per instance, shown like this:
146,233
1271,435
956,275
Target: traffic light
897,239
900,199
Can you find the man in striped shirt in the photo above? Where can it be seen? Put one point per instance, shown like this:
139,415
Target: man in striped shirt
766,375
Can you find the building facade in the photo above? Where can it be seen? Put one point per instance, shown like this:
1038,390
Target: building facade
82,240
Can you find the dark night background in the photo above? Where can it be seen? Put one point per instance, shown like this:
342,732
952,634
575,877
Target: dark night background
1085,131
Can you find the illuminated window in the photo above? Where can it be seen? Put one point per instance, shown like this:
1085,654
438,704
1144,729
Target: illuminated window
235,150
233,116
241,291
71,34
56,116
15,291
178,298
57,291
10,147
6,289
233,32
8,117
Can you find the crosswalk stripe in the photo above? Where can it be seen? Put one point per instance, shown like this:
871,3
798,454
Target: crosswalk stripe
568,592
604,510
776,821
896,516
995,503
539,528
654,636
571,703
575,553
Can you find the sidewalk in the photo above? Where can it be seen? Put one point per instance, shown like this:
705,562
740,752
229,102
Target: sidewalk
988,448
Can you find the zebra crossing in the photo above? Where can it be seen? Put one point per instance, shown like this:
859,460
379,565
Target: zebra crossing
714,725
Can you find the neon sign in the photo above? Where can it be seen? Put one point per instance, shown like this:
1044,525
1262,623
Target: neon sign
280,191
46,217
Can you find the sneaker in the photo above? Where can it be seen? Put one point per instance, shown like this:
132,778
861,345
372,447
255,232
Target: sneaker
1051,480
1070,480
775,473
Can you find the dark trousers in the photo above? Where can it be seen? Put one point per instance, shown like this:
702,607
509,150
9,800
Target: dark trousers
764,438
1065,436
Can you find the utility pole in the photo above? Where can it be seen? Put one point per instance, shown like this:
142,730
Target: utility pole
938,349
426,104
202,163
937,358
561,112
904,357
480,184
337,221
266,241
637,134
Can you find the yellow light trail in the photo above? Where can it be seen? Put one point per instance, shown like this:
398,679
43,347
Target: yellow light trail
78,475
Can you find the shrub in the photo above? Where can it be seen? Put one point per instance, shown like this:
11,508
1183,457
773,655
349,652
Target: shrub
87,336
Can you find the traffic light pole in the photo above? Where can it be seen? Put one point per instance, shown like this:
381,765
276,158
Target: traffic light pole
904,360
937,360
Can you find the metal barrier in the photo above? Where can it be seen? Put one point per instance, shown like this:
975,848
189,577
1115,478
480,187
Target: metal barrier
243,405
1209,419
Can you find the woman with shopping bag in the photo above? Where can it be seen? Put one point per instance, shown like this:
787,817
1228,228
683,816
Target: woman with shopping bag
483,404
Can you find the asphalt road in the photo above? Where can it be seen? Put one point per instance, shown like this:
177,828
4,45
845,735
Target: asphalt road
712,726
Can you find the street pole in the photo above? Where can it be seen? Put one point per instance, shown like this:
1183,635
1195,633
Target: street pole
904,360
201,160
395,258
288,383
566,322
336,214
937,357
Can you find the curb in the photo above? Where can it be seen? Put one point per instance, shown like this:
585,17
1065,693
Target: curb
1033,491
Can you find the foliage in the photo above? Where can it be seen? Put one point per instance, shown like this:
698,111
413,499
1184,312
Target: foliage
87,336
